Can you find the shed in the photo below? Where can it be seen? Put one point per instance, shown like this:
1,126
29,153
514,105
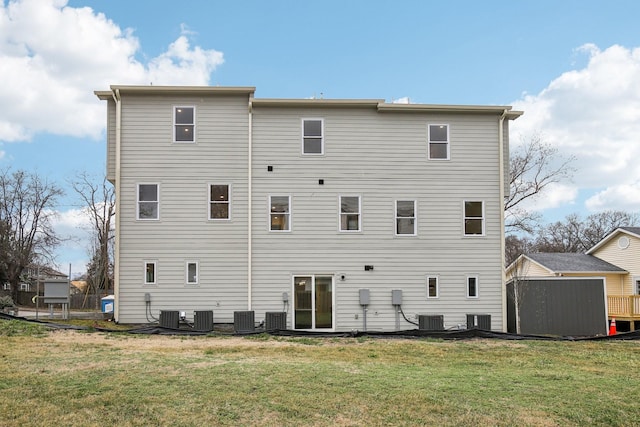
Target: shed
563,306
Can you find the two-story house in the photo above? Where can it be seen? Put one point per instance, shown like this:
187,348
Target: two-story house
319,208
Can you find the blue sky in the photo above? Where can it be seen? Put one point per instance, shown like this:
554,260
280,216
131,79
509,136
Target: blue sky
572,66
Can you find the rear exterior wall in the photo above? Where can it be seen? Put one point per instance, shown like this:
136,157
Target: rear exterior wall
381,157
183,233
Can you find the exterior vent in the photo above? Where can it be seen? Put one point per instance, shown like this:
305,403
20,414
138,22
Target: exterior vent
431,322
203,321
275,320
480,321
169,319
244,321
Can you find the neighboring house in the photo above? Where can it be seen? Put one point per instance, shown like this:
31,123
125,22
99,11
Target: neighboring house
33,274
228,203
616,259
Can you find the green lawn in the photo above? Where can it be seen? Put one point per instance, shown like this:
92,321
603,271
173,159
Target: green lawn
97,379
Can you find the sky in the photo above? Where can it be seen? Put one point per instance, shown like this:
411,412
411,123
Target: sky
572,66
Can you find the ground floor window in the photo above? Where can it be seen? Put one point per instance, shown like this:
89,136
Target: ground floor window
313,302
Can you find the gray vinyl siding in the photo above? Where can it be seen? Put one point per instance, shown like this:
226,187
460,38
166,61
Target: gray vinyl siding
183,231
111,141
382,157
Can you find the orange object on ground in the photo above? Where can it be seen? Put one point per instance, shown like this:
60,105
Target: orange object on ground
612,327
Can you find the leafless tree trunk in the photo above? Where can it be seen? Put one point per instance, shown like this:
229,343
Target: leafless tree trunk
99,205
26,233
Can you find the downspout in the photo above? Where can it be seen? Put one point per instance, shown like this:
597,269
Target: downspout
502,227
116,261
249,207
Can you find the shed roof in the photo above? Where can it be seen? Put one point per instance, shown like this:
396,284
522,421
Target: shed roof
574,263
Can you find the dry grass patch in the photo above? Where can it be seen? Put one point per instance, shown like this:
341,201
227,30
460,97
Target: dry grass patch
71,378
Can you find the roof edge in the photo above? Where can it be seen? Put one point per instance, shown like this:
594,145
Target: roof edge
185,90
609,237
442,108
314,102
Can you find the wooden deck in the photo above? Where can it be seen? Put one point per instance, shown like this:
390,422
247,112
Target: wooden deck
624,307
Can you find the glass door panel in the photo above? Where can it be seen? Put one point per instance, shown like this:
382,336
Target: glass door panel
324,302
302,302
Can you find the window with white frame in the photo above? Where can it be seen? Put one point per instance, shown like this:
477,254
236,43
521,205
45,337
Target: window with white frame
312,136
438,137
350,219
472,287
184,124
148,201
405,217
279,213
473,218
432,287
219,201
150,272
191,271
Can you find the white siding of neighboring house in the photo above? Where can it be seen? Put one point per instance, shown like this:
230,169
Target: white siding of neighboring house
183,232
382,157
627,258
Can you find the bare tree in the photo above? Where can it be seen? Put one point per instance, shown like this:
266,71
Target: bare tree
577,235
532,168
99,205
26,232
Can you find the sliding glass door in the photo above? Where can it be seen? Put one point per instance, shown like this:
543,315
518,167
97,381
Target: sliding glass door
313,302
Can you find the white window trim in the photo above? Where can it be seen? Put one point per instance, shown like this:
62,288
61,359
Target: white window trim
321,153
438,142
466,282
359,230
415,218
155,272
209,201
433,276
186,272
173,128
289,223
138,201
464,218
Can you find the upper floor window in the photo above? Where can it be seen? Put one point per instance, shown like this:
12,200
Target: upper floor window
184,124
279,213
219,201
312,136
150,272
473,218
148,201
405,217
350,213
191,270
438,137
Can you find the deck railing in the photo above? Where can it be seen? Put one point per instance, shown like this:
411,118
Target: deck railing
624,306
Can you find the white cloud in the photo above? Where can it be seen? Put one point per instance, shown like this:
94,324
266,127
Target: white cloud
592,114
621,197
403,100
555,195
52,58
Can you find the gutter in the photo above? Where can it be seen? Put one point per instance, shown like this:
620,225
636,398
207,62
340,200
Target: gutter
249,207
116,261
502,227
